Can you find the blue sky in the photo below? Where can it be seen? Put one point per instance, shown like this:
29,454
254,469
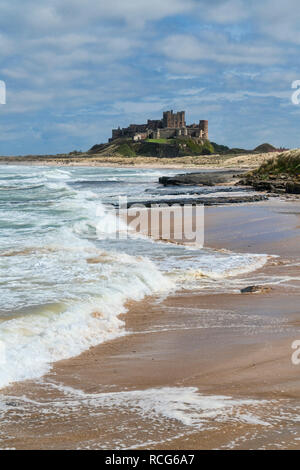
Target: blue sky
75,69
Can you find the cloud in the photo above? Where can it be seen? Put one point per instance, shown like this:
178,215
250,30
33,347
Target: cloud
7,46
279,19
230,11
143,10
183,68
141,107
74,69
57,15
216,47
84,129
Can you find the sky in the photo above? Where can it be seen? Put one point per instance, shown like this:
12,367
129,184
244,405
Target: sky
75,69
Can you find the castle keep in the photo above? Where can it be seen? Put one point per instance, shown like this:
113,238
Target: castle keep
171,125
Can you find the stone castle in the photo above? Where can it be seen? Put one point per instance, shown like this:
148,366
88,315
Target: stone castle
171,125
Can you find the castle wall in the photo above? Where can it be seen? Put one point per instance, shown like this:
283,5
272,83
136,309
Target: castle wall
171,125
163,134
154,124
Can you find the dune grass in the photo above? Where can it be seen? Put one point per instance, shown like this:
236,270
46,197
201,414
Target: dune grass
286,163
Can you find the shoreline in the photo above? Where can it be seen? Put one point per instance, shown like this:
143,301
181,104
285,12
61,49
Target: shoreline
234,162
216,360
123,165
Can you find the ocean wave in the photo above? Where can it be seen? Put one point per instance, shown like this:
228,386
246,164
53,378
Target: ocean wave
57,249
17,187
31,343
230,266
56,174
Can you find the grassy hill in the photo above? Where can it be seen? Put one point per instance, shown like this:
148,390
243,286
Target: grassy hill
287,163
162,148
264,148
175,147
280,174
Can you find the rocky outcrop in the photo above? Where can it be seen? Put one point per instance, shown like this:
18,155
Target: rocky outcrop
273,184
211,178
256,290
280,174
293,187
206,201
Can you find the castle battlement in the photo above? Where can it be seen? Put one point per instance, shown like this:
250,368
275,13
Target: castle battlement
171,125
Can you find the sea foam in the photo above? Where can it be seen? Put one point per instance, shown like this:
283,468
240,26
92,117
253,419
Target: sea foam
65,279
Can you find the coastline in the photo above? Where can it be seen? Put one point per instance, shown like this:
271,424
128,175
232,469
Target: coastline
234,162
149,228
180,341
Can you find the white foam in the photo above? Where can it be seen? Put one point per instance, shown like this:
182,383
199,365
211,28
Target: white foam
56,173
184,405
33,342
46,259
91,286
196,267
231,266
101,224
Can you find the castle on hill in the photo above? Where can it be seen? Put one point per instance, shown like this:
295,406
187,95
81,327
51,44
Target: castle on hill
171,125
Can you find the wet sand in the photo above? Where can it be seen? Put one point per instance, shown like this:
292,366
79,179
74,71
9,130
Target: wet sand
203,344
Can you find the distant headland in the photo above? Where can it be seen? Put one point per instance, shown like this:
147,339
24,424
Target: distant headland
159,142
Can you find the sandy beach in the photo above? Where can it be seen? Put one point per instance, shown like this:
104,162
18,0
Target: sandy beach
200,344
149,228
243,161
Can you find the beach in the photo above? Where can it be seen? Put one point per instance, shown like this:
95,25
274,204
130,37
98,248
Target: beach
197,367
239,161
149,228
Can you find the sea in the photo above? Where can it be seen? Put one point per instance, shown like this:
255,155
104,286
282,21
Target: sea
65,277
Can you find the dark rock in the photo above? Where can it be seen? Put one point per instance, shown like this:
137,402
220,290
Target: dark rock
276,184
206,201
205,179
263,185
256,290
292,187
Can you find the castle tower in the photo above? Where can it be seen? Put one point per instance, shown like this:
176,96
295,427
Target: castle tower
181,119
174,120
167,118
203,125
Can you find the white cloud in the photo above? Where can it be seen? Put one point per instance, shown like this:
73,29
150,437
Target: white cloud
74,129
26,101
143,10
230,11
7,45
216,47
139,107
77,60
57,15
181,68
279,19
